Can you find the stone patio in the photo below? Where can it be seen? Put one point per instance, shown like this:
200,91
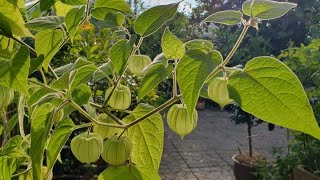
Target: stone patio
206,153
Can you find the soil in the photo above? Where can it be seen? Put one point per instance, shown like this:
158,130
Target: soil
245,158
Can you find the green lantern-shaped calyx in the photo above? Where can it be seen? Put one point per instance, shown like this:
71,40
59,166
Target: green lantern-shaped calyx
121,97
218,91
87,147
117,150
105,131
137,63
6,97
179,120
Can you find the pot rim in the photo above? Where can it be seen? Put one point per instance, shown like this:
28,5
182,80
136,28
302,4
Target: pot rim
236,161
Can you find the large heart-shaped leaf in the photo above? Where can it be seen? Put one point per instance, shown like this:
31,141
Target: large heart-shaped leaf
147,138
113,5
128,172
172,47
228,17
152,19
192,71
14,72
11,21
47,44
267,9
270,91
40,128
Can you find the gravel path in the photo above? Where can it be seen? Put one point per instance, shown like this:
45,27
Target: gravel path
206,153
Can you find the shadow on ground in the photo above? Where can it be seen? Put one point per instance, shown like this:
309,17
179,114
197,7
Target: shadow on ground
206,153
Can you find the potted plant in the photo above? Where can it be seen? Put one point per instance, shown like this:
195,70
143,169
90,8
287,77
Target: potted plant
245,163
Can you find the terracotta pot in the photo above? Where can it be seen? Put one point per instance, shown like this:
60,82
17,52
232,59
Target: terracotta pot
299,173
201,105
243,171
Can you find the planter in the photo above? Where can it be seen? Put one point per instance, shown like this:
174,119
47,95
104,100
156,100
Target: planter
299,173
243,171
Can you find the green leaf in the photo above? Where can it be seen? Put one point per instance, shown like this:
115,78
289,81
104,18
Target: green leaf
36,64
47,43
61,9
270,91
201,44
1,129
11,21
110,20
46,4
12,123
113,5
154,75
267,9
228,17
120,53
7,167
147,138
43,23
58,139
81,94
128,172
14,73
172,47
12,148
103,71
74,2
73,19
192,72
152,19
83,69
40,128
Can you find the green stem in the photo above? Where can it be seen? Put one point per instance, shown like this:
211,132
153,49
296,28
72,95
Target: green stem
158,109
23,172
81,126
83,112
21,114
4,125
32,6
236,46
175,89
43,77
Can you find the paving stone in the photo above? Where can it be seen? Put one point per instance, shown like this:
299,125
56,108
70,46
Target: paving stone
206,153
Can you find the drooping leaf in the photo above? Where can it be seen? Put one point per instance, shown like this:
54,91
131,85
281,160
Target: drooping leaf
61,9
152,19
13,149
7,167
81,94
11,21
128,172
267,9
228,17
73,19
103,71
201,44
83,69
58,139
14,72
172,47
113,6
153,76
12,123
120,53
46,22
192,71
270,91
46,4
147,138
40,128
47,43
36,64
74,2
110,20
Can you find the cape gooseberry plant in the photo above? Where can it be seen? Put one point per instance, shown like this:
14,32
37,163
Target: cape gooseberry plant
133,145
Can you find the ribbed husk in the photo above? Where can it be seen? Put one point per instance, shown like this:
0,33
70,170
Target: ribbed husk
87,149
116,150
6,97
218,91
137,63
179,120
105,131
121,97
58,116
